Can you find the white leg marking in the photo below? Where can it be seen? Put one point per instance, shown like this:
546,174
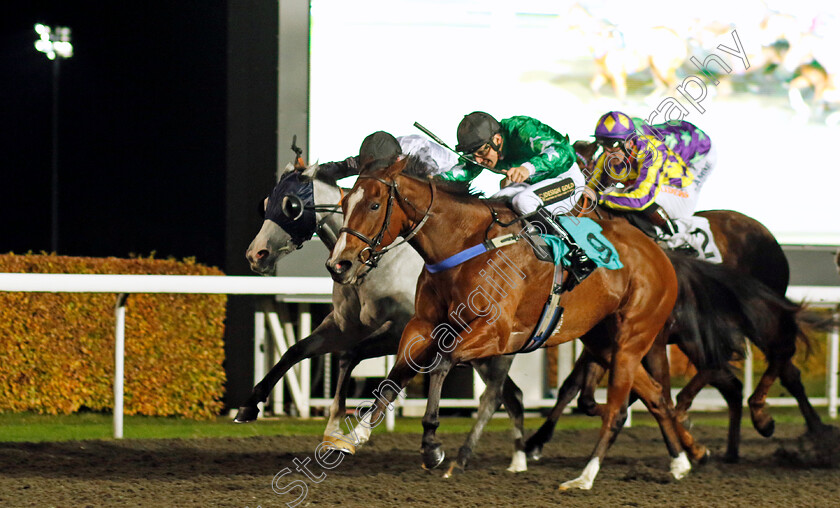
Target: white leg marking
334,423
680,466
586,479
362,430
518,463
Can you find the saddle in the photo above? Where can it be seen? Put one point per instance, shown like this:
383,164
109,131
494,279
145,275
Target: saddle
640,220
692,236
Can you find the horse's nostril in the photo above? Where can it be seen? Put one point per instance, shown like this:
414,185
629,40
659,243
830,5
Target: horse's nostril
342,266
262,254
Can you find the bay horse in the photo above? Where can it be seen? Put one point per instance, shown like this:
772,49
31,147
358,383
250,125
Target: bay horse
748,247
617,313
367,319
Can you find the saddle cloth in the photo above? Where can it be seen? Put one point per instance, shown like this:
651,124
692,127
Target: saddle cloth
586,233
695,232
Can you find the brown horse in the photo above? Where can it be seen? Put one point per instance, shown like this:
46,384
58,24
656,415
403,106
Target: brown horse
748,247
617,313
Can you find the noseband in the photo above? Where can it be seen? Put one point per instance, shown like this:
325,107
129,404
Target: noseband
374,255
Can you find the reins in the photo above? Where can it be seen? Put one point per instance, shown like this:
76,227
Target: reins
374,255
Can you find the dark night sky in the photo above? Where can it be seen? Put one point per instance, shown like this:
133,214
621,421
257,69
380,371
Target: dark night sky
142,114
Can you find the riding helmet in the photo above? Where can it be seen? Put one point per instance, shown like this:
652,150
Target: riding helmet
475,130
614,125
379,150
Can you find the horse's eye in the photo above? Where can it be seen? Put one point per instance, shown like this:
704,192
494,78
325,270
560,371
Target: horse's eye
374,206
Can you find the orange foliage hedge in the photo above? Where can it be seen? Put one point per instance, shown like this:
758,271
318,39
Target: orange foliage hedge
57,349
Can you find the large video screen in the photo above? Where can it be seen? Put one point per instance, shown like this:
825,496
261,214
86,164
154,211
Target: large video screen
760,78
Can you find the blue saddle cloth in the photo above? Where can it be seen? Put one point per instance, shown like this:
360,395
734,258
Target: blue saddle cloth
587,234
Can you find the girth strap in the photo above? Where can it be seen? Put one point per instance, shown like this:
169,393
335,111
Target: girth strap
475,250
551,317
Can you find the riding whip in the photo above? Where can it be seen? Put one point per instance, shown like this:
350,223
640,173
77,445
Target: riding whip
460,155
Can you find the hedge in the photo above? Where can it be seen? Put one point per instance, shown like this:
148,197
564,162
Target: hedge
58,348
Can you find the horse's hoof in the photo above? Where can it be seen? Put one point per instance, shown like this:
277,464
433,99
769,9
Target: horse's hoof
704,458
767,428
821,429
534,453
680,466
454,469
246,414
340,445
731,458
519,462
586,479
577,483
433,459
698,454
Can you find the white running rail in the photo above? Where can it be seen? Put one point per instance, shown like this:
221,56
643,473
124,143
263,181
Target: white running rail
123,285
300,289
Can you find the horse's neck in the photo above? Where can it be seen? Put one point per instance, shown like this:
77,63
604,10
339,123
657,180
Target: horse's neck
442,235
328,194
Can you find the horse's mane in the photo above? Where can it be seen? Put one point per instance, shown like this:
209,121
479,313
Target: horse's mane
461,190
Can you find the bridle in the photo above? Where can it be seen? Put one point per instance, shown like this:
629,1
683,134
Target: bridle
374,255
293,208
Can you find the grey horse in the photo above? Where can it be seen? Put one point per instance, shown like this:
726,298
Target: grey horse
367,319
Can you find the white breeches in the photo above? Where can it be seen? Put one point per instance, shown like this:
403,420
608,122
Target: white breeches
525,200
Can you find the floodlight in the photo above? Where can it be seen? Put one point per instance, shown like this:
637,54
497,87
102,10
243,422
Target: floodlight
54,43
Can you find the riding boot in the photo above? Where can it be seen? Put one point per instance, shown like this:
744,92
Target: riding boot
580,265
660,218
668,230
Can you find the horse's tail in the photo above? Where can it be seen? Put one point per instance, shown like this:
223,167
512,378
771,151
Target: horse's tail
813,321
718,306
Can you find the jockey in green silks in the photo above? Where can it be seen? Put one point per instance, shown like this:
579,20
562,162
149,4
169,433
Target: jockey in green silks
536,160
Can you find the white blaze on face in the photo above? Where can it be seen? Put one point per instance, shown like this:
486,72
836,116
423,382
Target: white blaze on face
352,200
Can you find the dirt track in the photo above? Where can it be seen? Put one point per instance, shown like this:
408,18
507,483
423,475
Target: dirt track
239,472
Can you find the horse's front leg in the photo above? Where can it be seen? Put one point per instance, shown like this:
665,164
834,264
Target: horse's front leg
661,407
568,390
512,398
338,407
380,343
493,372
792,380
623,369
732,390
430,449
417,354
326,338
593,373
762,421
656,363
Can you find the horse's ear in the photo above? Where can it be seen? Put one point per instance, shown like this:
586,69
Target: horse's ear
282,173
396,168
311,171
585,147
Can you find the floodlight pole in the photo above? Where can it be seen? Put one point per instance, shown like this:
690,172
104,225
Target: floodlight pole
56,45
54,214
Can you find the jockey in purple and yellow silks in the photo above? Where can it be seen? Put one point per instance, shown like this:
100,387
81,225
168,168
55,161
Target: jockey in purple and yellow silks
655,179
688,141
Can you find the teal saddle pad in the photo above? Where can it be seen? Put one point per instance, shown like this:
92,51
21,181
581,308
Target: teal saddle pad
587,233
